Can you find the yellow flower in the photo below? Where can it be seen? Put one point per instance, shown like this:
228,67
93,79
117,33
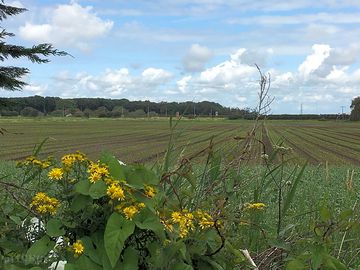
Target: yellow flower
94,177
141,205
78,247
56,174
176,217
130,211
168,226
205,224
46,164
115,192
185,221
257,206
149,191
44,204
97,172
69,159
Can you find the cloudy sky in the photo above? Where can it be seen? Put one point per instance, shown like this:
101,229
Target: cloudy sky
179,50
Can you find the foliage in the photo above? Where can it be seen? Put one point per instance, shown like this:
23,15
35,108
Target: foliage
103,215
355,109
10,76
29,112
118,107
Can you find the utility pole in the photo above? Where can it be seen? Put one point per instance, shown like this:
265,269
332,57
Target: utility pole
342,109
194,111
301,109
148,111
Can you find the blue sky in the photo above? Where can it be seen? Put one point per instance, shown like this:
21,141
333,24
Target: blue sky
196,50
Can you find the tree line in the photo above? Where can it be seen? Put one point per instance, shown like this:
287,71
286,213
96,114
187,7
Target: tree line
102,107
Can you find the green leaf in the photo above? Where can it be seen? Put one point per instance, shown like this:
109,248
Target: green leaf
117,230
93,253
83,262
130,261
333,263
296,265
147,220
83,187
116,170
40,248
318,253
171,250
325,214
53,228
182,266
16,219
70,266
138,175
98,190
80,202
290,196
37,149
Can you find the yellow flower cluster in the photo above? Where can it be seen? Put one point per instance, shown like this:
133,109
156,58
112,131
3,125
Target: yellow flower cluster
78,248
185,220
44,204
32,160
205,220
257,206
97,172
115,192
69,160
149,191
56,173
132,210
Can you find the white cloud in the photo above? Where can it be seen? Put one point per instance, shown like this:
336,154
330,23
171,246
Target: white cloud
67,25
229,71
314,60
156,75
35,89
196,58
183,84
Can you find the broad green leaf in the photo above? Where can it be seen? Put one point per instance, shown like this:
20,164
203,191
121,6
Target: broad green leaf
70,266
53,228
117,230
83,187
138,175
85,263
80,202
130,261
116,170
90,250
41,247
98,189
147,220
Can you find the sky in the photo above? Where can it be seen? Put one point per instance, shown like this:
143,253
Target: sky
180,50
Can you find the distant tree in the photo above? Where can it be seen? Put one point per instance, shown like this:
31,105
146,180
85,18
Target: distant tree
30,112
10,76
137,113
355,109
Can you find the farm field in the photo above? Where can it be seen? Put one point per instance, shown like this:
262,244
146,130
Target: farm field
143,140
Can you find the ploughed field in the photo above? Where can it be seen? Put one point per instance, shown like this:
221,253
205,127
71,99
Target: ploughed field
144,140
